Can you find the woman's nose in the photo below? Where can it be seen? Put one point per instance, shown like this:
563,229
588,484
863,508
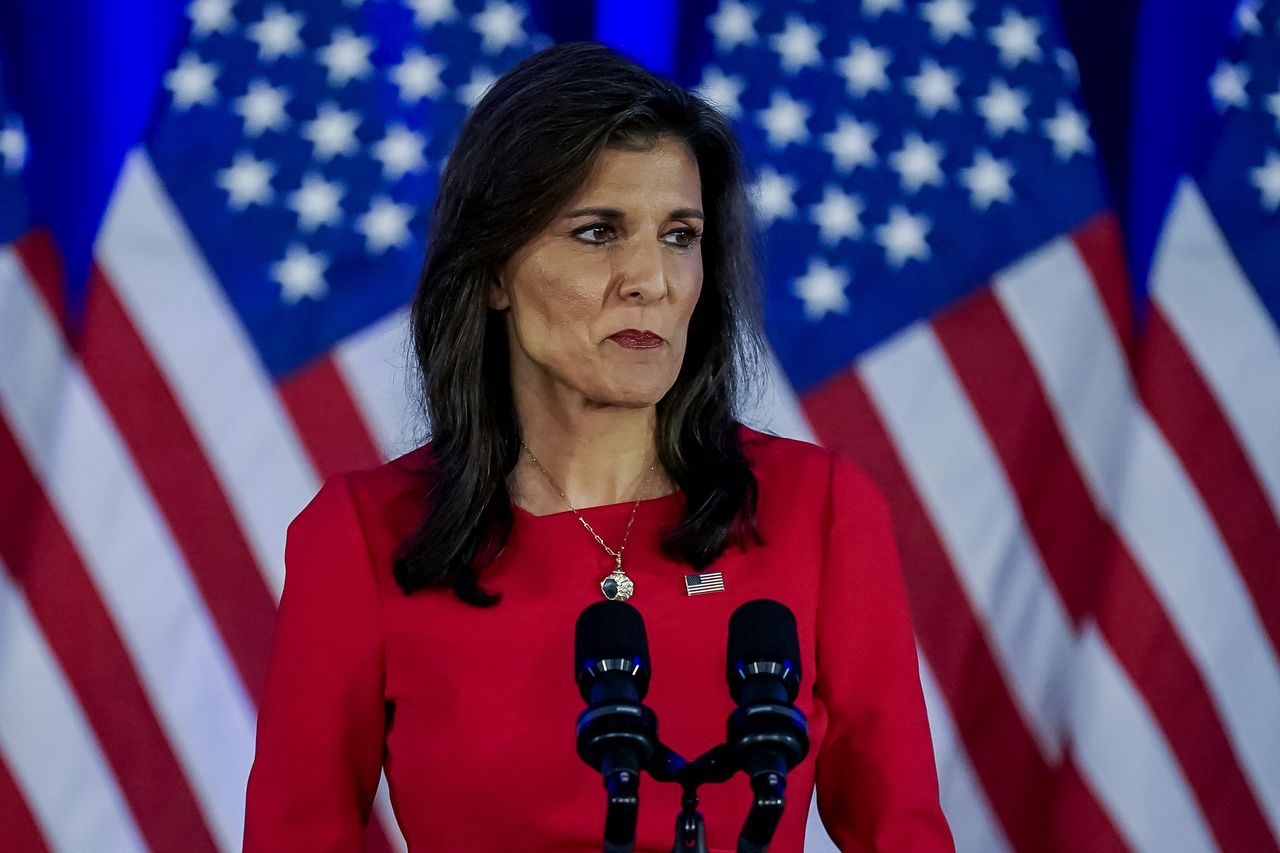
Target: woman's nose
641,273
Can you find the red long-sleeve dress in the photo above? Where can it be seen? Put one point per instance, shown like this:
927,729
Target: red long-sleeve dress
471,711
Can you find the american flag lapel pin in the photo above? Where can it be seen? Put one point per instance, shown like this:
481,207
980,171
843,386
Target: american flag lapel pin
697,584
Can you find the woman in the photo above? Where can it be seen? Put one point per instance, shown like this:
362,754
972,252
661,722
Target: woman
584,313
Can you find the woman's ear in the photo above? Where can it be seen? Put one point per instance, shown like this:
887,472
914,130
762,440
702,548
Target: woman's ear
498,298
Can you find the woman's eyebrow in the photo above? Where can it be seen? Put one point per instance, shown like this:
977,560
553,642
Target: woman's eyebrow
614,213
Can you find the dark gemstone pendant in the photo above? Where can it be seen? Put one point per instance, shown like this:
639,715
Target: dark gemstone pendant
617,586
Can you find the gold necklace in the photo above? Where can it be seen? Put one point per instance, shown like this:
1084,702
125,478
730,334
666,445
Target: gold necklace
616,586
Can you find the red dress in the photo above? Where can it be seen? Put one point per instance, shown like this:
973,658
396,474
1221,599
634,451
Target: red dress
471,711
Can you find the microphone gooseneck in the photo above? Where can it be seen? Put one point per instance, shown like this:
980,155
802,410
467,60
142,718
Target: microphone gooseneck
617,735
767,733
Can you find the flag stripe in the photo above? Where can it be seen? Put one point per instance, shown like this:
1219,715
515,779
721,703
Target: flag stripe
978,511
1000,748
374,364
181,314
1173,390
1225,327
952,468
186,491
968,810
1135,772
78,627
45,740
1085,558
1144,492
326,419
18,827
83,466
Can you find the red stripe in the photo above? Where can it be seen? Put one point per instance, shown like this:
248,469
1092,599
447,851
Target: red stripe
1077,822
1187,411
19,832
81,633
38,247
327,419
1101,247
169,459
375,837
1090,565
1016,777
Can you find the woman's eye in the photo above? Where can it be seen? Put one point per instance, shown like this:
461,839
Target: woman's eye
683,237
597,234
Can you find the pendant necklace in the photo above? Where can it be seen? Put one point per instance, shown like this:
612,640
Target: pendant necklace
616,586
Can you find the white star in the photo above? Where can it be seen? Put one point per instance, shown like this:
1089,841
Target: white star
400,152
1267,179
428,13
262,108
301,275
733,24
332,132
822,289
384,225
192,82
918,163
864,68
987,180
1004,109
277,34
1273,107
210,16
874,8
772,196
948,18
499,26
1016,38
1247,18
797,44
1067,62
13,147
1069,132
346,57
1228,85
473,90
903,237
722,91
317,202
784,120
418,76
837,216
934,88
851,143
247,181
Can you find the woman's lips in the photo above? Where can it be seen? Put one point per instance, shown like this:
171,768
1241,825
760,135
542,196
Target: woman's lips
632,339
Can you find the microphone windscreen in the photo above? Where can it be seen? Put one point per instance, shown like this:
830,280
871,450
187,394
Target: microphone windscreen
762,630
610,630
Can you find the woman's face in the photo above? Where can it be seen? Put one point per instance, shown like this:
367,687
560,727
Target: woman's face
598,303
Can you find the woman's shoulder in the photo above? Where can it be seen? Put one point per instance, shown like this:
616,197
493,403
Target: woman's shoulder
387,499
803,466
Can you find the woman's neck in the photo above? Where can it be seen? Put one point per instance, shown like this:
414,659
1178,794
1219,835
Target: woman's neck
595,454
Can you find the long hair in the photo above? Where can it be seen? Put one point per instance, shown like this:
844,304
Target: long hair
528,146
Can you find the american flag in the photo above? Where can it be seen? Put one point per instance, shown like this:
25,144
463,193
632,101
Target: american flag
1089,517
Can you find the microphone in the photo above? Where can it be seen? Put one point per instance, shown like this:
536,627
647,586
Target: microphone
617,735
767,733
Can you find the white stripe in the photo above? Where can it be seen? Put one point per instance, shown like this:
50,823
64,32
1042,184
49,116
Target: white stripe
200,345
48,745
374,365
87,473
962,486
1125,759
769,404
1137,481
386,816
973,824
1225,327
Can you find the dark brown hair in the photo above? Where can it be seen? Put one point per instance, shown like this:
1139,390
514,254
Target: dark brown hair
528,146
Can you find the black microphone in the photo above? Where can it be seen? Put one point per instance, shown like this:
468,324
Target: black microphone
616,734
767,733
